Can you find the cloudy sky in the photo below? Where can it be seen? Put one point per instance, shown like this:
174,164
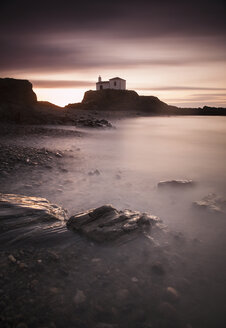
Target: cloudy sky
175,50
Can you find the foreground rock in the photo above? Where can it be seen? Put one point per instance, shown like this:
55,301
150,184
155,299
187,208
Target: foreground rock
212,203
23,217
107,224
176,183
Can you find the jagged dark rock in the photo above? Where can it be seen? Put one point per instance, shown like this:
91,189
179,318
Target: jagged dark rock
106,223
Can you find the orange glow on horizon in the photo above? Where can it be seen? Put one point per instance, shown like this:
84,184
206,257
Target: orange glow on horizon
60,96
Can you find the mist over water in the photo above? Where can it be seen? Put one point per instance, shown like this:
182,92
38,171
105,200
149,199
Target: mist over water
131,160
122,167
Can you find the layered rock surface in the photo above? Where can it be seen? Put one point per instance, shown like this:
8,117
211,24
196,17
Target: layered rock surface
106,223
23,217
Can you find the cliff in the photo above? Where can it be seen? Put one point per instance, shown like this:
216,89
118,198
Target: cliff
18,92
18,104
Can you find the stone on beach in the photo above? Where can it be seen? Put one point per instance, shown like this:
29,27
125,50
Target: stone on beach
176,183
212,203
107,223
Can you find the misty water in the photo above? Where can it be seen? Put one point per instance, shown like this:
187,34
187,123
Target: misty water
131,160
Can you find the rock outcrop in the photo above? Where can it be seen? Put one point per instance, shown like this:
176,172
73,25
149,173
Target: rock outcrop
121,100
176,183
19,92
106,223
18,104
23,218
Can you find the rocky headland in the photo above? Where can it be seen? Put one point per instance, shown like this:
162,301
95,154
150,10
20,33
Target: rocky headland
18,104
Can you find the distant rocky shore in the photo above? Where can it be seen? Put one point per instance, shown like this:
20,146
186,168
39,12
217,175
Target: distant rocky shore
18,104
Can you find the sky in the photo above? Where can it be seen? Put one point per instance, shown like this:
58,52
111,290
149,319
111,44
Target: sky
175,50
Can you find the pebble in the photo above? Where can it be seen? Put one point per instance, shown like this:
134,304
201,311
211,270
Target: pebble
22,265
48,167
54,290
95,260
28,186
34,283
94,172
105,325
58,155
172,294
79,297
122,294
134,279
167,310
12,258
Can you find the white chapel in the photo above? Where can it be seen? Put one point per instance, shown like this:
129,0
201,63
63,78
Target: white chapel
115,83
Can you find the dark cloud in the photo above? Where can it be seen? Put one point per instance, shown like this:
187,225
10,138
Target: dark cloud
154,17
57,54
33,34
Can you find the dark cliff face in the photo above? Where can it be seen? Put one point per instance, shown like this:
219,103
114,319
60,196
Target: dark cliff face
17,92
18,104
111,100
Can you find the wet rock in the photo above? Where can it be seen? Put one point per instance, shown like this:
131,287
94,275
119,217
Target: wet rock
172,294
58,155
176,183
23,217
107,223
94,172
212,203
